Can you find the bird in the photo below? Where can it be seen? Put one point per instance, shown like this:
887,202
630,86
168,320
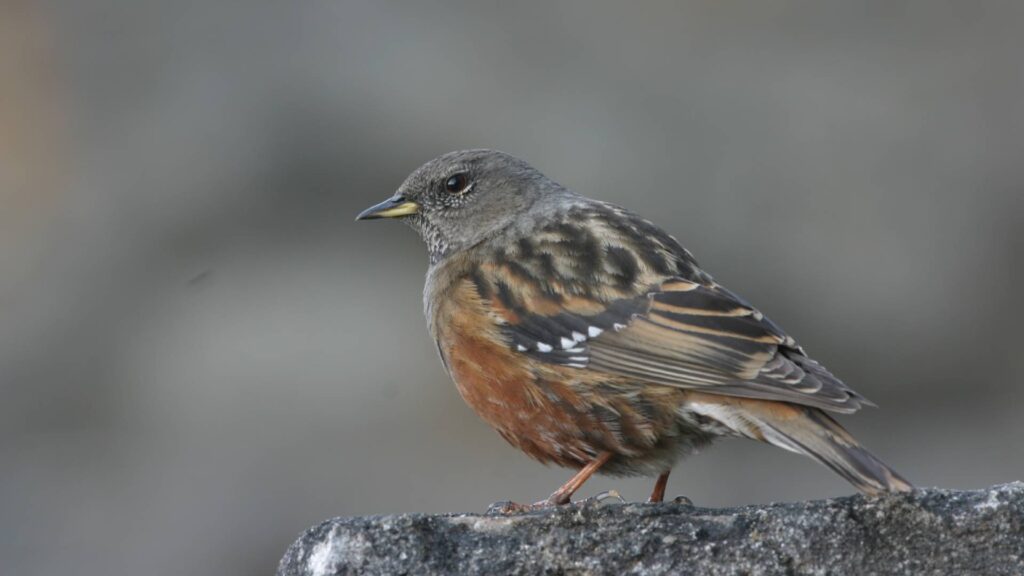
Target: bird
591,339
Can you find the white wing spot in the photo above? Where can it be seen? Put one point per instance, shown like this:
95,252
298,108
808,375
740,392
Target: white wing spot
618,326
544,347
578,337
576,350
567,343
520,348
594,331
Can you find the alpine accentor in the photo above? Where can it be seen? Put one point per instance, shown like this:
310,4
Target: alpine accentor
588,337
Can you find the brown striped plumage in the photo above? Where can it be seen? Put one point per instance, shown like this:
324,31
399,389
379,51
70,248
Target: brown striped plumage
590,338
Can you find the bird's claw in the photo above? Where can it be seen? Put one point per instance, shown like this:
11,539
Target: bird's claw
508,507
605,497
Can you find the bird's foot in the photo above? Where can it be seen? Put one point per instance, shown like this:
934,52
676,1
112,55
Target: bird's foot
509,507
606,497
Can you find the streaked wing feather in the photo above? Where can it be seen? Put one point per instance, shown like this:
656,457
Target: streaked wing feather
629,301
702,333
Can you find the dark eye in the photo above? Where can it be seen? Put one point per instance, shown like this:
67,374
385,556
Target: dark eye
457,183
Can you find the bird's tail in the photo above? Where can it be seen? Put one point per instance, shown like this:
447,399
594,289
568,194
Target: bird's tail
817,435
811,432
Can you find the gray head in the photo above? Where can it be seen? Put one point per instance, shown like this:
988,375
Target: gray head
461,198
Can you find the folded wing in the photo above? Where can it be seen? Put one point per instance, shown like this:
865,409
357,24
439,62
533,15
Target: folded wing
631,302
702,336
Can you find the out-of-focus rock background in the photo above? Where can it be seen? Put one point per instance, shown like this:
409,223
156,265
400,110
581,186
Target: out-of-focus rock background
201,354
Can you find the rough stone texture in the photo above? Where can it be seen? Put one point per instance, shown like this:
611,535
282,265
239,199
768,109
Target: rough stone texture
928,532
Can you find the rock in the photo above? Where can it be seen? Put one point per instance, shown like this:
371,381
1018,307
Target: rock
931,531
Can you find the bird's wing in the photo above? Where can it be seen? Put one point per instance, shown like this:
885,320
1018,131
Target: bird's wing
703,336
588,295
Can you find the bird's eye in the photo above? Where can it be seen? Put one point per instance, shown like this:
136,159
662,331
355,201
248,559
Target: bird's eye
457,183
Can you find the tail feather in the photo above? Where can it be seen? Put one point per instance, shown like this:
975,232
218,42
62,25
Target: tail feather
817,435
807,431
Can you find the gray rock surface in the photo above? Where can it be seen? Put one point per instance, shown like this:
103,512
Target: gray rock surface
931,531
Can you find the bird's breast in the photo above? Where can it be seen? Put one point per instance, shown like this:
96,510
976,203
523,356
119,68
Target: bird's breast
553,413
495,381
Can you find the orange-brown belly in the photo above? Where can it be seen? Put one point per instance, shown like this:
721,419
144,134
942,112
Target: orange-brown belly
553,413
504,391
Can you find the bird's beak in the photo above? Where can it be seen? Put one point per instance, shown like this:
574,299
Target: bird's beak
390,208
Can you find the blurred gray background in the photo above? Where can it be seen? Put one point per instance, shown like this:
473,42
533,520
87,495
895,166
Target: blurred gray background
201,354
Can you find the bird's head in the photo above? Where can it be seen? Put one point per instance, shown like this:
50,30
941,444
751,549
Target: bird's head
462,198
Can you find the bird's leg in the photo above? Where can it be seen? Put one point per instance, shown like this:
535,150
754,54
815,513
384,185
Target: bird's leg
658,494
565,492
561,496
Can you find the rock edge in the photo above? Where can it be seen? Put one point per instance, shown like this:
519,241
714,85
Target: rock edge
930,531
